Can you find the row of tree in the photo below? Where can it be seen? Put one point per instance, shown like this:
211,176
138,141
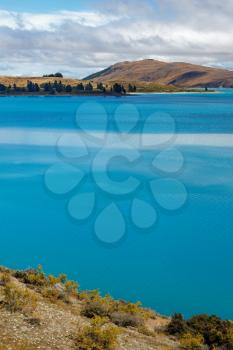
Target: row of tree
56,75
59,87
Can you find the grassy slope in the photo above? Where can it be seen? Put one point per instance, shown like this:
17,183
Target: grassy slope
50,313
52,321
141,86
146,86
22,81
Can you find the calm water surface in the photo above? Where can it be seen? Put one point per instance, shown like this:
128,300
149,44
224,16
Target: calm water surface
185,262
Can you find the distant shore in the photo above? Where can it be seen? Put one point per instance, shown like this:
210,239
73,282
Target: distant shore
43,94
96,93
56,86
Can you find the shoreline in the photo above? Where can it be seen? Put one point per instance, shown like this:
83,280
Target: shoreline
29,94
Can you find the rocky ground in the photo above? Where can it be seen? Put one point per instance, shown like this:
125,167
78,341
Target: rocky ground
37,314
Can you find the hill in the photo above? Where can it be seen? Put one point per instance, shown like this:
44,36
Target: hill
39,311
56,83
22,81
184,75
48,313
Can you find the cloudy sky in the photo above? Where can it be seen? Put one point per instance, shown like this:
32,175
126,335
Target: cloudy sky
81,37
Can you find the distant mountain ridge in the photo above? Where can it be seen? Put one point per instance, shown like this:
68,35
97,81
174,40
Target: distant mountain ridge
176,73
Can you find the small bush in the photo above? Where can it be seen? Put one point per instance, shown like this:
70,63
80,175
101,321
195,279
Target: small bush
62,278
32,277
70,286
52,280
130,308
4,269
178,325
124,319
212,328
94,308
191,342
214,331
34,321
35,279
229,339
51,287
53,294
19,299
119,312
87,295
97,336
5,278
144,330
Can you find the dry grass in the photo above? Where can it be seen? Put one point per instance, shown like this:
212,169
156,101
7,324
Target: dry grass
22,81
30,319
157,72
141,86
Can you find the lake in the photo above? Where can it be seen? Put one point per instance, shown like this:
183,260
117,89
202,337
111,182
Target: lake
132,196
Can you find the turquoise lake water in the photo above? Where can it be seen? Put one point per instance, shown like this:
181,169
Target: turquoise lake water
184,261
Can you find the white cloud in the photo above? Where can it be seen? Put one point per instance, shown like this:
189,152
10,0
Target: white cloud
51,21
78,43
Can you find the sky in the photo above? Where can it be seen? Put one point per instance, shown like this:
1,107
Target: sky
78,37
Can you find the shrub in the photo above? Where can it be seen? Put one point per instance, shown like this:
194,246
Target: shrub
32,277
89,295
124,319
53,294
52,280
120,312
132,309
19,299
144,330
178,325
5,278
97,336
4,269
214,331
94,308
128,307
53,287
191,342
34,319
62,278
212,328
229,339
71,287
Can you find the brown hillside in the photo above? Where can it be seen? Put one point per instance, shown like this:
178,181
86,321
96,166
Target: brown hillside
39,311
22,81
177,73
48,313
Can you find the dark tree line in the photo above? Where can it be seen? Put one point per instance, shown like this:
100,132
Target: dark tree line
56,75
58,87
118,89
31,87
49,88
132,88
